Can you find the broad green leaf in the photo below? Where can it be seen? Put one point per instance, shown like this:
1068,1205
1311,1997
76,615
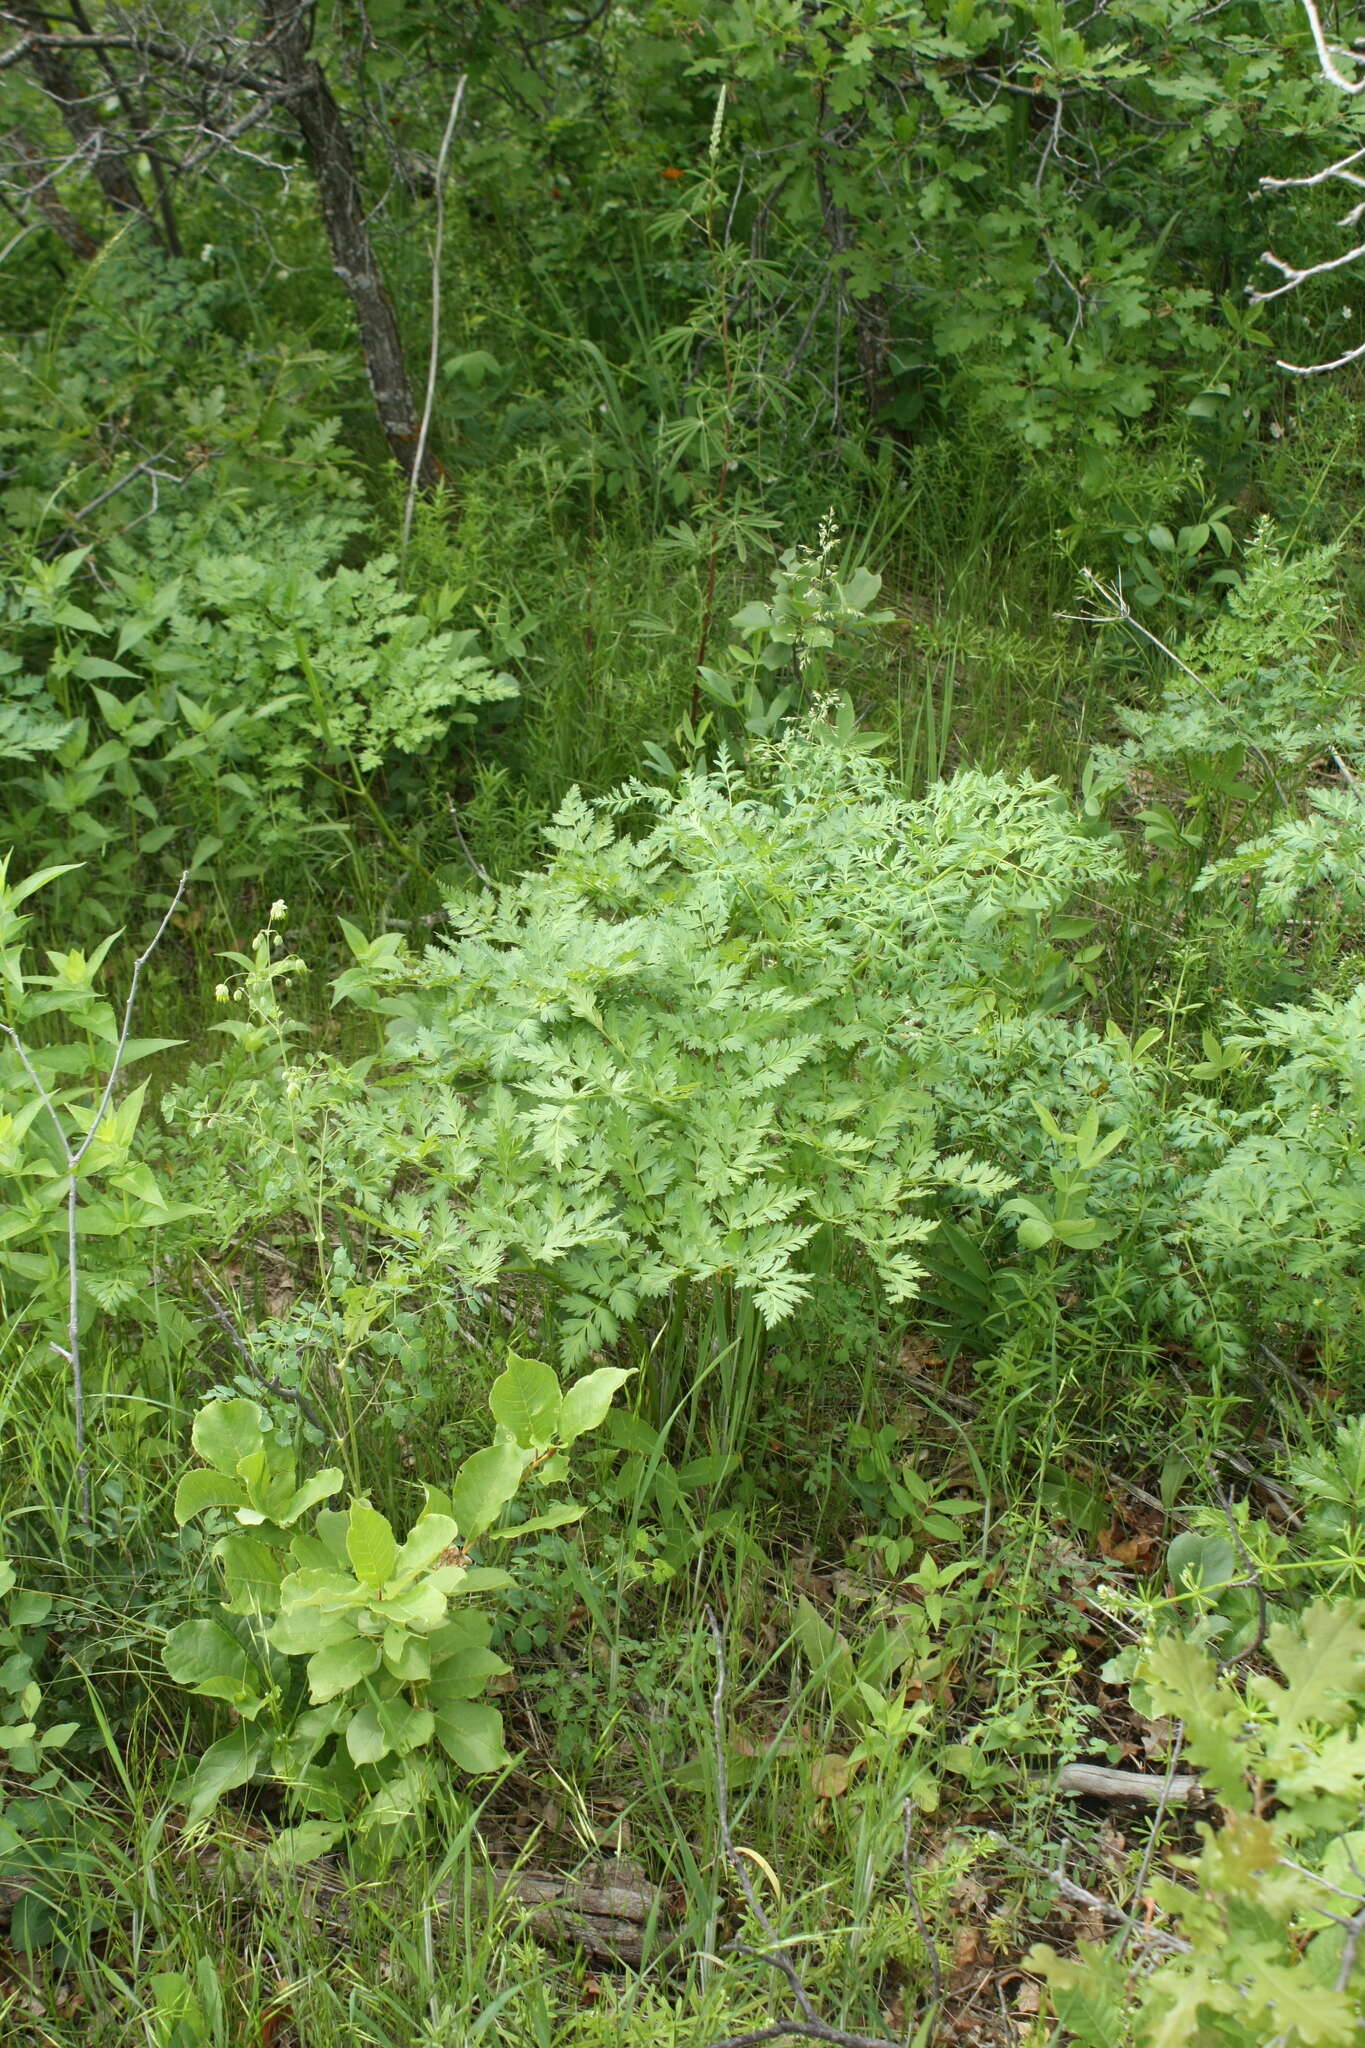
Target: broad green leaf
432,1535
1195,1559
421,1607
465,1675
370,1544
226,1432
204,1657
398,1798
484,1485
486,1578
340,1666
525,1399
553,1518
366,1741
302,1844
468,1630
301,1631
231,1762
12,894
321,1486
472,1736
253,1570
406,1657
587,1401
329,1528
199,1490
323,1587
407,1727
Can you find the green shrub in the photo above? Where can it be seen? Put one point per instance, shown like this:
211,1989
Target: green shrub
1267,1918
391,1670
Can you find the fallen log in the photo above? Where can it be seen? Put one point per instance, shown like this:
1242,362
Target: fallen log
1097,1781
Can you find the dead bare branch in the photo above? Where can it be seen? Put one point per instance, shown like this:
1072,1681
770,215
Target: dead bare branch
1331,57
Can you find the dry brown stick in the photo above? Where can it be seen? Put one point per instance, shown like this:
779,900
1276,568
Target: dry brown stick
1097,1781
1149,1853
1077,1895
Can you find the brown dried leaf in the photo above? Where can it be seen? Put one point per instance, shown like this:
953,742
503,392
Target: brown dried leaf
830,1776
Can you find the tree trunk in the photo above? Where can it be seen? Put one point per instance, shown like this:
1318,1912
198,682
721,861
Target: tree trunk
62,222
871,319
108,161
322,127
170,226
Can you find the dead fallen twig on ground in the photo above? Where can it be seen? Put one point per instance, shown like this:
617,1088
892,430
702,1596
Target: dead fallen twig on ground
1097,1781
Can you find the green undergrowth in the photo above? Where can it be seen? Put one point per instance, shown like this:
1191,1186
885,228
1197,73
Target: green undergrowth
742,1041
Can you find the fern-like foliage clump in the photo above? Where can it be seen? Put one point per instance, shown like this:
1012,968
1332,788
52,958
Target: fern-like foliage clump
693,1051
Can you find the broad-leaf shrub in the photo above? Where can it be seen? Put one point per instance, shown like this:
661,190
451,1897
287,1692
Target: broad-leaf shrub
785,647
1263,1912
187,716
351,1658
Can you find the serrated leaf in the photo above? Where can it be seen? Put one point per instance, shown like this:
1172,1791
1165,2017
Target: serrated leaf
1089,1994
1182,1681
1323,1661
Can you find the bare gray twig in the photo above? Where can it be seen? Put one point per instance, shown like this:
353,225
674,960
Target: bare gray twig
429,401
